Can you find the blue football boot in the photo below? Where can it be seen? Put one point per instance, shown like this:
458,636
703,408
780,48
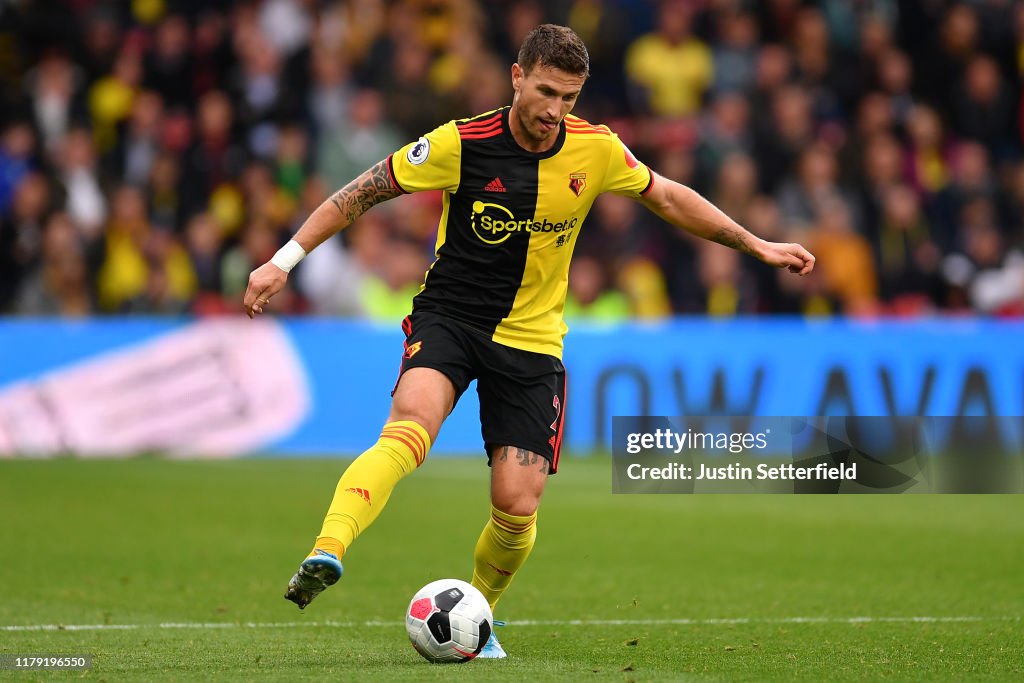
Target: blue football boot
316,573
493,649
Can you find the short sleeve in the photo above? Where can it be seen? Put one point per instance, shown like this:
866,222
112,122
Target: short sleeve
430,163
625,175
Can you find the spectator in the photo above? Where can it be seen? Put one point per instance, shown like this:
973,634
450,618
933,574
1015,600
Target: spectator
111,99
670,68
387,297
164,195
131,158
216,156
984,107
259,89
788,131
971,178
204,242
78,171
882,170
735,54
590,296
727,292
102,41
332,275
804,196
725,131
133,250
988,274
21,233
291,160
330,93
59,284
358,142
938,68
927,165
16,150
211,55
736,187
169,63
56,99
819,71
895,79
908,258
847,264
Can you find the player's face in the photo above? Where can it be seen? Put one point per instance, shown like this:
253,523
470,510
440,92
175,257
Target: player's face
542,99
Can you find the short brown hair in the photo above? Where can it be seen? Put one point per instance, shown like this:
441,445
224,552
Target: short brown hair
555,46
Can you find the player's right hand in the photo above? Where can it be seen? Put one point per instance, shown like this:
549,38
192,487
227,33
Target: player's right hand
264,282
791,256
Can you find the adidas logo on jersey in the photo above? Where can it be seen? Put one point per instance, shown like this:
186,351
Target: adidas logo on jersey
495,186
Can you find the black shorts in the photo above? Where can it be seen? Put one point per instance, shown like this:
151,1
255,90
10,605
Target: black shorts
522,394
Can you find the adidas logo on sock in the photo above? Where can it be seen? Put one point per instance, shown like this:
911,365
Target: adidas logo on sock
362,493
503,572
495,186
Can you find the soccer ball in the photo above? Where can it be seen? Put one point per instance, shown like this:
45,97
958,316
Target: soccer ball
448,621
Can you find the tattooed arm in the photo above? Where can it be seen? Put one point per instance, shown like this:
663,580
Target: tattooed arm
346,205
686,209
341,210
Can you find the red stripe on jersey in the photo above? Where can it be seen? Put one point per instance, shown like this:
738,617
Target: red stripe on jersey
482,122
481,132
585,129
480,129
471,127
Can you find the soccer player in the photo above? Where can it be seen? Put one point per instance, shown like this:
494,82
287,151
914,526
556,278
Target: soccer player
517,184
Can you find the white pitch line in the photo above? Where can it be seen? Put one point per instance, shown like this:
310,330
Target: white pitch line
524,622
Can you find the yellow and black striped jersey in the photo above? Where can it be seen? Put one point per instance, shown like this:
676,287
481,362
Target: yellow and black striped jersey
510,220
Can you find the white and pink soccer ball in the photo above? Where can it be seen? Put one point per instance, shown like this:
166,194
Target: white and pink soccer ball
448,621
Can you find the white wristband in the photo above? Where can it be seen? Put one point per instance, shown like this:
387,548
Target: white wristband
288,256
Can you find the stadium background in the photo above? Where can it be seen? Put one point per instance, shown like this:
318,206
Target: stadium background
153,153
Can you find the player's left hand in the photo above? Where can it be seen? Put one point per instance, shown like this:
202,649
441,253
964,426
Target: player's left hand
787,255
264,282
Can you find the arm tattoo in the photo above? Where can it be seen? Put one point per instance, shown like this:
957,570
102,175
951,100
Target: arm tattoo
362,194
730,238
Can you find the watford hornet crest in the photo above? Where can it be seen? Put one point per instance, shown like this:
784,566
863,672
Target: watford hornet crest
577,183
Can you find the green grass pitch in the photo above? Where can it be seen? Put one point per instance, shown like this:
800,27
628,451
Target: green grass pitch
193,557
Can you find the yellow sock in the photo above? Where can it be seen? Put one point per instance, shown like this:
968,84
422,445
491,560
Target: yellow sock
503,546
366,485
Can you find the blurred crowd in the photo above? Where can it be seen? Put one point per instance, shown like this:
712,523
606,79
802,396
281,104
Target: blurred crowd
153,152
